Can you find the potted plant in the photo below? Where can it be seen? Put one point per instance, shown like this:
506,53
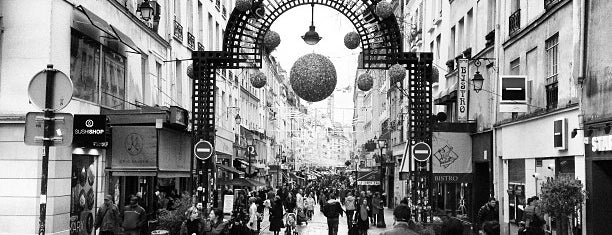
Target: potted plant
171,220
561,198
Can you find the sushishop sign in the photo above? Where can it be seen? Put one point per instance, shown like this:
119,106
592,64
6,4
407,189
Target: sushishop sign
601,143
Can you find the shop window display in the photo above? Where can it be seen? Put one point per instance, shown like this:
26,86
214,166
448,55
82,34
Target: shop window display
83,194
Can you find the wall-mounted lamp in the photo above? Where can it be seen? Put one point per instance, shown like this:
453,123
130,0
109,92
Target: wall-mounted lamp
147,10
478,80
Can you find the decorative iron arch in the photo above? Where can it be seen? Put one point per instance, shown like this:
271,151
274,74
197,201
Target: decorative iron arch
245,31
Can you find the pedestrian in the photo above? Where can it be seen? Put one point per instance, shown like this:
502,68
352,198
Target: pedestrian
299,202
376,208
134,217
401,215
276,215
290,203
332,211
488,213
193,224
309,204
349,205
214,224
361,217
369,196
253,216
107,219
534,221
451,225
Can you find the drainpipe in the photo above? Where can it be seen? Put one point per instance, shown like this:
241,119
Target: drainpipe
580,86
497,192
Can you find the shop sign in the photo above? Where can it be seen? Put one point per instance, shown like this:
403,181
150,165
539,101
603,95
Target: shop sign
452,152
90,131
174,151
452,178
601,143
134,147
462,90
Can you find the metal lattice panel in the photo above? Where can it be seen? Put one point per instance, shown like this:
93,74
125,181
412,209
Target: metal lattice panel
245,31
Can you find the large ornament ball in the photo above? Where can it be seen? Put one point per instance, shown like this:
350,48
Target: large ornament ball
244,5
397,73
313,77
271,40
351,40
190,71
384,9
258,80
365,82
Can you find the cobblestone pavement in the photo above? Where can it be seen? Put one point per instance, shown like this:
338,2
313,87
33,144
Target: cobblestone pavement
318,225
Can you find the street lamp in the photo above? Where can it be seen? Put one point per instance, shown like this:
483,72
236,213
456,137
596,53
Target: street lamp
249,140
382,143
478,82
146,10
311,37
238,119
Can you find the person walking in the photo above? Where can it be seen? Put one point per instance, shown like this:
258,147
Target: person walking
401,215
376,208
488,213
253,216
214,224
134,217
309,204
193,224
533,218
107,219
332,211
276,215
361,218
349,206
290,203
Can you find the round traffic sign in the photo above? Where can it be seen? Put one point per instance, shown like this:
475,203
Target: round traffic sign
421,151
62,90
203,150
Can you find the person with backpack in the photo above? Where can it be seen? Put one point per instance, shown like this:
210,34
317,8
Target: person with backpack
534,221
332,211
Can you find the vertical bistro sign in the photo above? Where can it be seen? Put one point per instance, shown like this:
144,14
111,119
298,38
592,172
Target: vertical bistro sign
462,90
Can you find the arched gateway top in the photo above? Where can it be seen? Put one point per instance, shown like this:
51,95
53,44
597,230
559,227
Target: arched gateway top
243,39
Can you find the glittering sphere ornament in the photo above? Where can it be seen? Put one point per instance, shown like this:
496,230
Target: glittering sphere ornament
244,5
365,82
271,40
351,40
313,77
190,71
397,73
258,80
384,9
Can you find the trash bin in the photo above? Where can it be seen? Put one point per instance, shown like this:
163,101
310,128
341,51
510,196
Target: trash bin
160,232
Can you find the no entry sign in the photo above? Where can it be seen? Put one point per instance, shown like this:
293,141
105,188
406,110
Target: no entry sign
421,151
203,150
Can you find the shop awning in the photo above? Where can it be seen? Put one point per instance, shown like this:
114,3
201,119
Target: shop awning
222,155
244,163
447,96
126,40
97,22
372,178
229,169
133,172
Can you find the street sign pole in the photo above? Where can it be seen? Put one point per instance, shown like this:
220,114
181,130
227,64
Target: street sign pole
47,141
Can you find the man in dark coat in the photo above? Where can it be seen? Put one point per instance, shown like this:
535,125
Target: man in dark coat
134,217
332,211
107,219
488,213
401,214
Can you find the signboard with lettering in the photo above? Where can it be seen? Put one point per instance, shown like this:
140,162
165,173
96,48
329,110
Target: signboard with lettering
601,143
462,90
453,178
90,131
134,147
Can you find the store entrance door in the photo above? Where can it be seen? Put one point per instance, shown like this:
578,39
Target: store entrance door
600,197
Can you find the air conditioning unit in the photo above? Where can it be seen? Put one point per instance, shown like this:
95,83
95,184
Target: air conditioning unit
560,134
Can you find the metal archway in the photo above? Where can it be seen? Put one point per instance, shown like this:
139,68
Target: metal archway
381,43
245,31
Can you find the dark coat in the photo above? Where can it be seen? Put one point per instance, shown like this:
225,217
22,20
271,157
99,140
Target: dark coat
487,213
399,229
361,224
134,217
218,228
108,218
276,216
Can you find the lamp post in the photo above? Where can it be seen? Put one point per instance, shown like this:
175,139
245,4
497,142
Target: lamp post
382,143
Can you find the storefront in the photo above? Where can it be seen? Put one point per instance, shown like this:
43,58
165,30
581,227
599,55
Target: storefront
151,156
598,149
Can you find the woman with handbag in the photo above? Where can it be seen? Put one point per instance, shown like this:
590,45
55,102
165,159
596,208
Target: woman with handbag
361,218
276,215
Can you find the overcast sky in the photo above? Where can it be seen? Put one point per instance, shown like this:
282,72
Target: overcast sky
332,26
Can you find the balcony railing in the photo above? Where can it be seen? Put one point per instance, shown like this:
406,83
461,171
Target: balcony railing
200,46
548,4
190,41
178,31
514,22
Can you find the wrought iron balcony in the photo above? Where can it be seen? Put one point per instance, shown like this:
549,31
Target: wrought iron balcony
190,41
200,46
178,31
548,4
514,22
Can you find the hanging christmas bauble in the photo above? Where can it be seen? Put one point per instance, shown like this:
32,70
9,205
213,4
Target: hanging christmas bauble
384,9
351,40
190,71
258,80
397,73
365,82
313,77
271,40
244,5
